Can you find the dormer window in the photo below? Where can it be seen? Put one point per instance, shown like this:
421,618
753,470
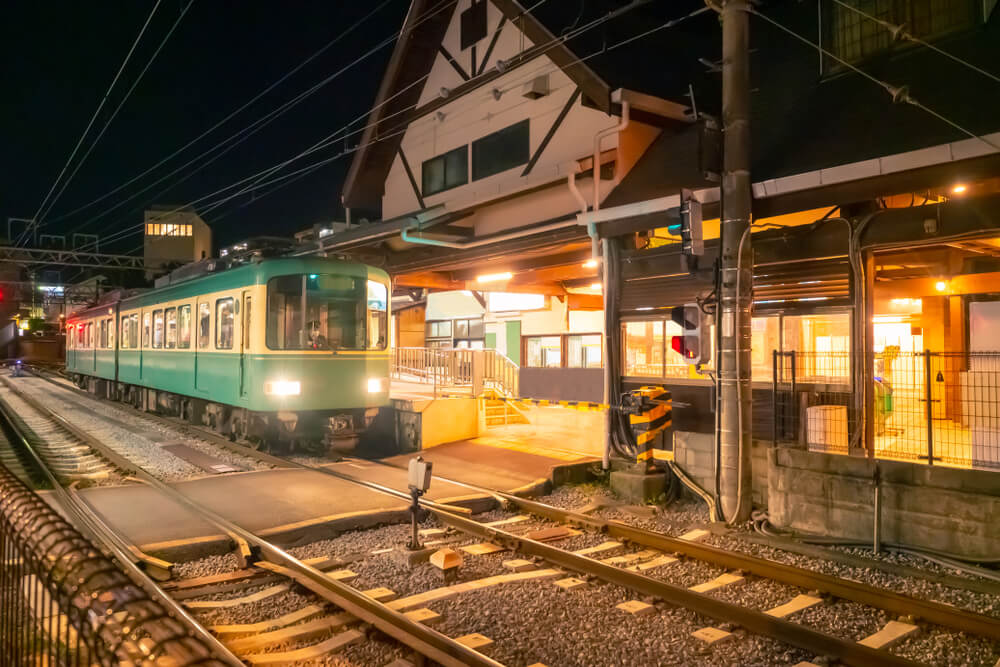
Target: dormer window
473,23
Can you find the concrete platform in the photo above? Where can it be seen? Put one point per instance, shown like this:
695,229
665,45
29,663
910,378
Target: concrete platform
292,506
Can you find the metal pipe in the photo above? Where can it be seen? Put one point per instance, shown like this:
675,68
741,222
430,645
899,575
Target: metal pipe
877,519
407,236
617,129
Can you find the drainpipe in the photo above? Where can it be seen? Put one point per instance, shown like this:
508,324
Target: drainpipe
408,235
617,129
595,242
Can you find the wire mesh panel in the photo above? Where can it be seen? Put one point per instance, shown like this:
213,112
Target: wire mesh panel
939,407
64,603
813,403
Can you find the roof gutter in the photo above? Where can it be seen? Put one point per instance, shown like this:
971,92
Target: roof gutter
415,235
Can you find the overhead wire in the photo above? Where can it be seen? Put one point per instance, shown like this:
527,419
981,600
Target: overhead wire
899,32
121,103
339,134
93,118
246,132
899,94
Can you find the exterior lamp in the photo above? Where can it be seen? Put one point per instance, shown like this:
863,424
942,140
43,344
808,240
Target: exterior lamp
494,277
958,189
941,285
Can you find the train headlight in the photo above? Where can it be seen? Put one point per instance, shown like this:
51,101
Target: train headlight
283,388
376,385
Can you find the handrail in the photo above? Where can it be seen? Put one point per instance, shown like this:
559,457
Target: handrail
449,368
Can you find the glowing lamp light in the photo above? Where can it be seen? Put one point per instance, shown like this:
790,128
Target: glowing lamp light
376,385
959,189
283,388
595,286
590,264
494,277
940,286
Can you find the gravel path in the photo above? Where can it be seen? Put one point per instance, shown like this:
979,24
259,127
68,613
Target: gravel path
131,435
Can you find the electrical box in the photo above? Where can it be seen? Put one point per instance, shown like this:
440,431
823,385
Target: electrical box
420,474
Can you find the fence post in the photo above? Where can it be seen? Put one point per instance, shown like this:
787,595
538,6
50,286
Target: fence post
929,406
794,403
774,398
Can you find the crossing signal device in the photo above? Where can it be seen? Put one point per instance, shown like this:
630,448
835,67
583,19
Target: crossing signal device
688,226
693,344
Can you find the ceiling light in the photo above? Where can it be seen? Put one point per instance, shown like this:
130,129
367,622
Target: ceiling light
494,277
940,286
595,286
590,264
959,189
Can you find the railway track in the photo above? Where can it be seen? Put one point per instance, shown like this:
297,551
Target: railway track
637,560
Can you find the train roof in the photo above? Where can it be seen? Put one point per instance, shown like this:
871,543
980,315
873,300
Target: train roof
253,273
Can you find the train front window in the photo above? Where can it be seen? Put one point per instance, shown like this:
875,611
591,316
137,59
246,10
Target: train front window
326,312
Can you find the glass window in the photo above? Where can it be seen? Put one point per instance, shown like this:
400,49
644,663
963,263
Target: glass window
111,333
170,317
822,345
544,352
643,345
204,325
500,151
445,171
133,335
80,333
583,351
326,311
765,337
476,329
157,329
224,322
146,320
246,323
184,327
439,329
104,334
461,328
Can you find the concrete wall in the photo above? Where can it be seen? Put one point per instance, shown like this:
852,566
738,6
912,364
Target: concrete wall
695,454
934,507
562,384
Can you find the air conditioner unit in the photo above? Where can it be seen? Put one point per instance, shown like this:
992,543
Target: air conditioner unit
537,87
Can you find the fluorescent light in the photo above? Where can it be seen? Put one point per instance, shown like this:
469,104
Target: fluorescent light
283,388
376,385
940,286
959,189
494,277
644,308
590,264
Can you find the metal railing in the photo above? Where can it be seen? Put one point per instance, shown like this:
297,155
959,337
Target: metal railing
64,603
458,370
929,407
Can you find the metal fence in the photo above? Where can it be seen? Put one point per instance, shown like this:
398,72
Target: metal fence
930,407
459,370
63,603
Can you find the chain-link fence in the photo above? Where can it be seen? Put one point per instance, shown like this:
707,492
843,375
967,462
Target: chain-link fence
64,603
930,407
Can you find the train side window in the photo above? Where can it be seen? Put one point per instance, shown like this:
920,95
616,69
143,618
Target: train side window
124,331
224,320
184,327
133,331
204,325
246,323
104,334
79,334
157,329
145,329
90,335
170,318
111,333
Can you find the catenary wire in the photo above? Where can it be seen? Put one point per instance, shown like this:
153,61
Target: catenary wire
121,103
258,124
93,118
336,137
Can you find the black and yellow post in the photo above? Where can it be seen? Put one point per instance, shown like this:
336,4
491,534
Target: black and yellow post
652,418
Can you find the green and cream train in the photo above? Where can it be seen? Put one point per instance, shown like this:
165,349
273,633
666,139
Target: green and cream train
291,351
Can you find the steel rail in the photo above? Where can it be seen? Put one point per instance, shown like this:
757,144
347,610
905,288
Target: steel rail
934,612
91,523
417,636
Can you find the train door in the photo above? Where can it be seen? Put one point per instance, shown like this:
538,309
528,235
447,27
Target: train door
203,338
92,346
244,342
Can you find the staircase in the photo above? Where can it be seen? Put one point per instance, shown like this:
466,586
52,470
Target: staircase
498,412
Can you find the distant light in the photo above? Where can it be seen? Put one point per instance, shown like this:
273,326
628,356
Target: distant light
313,276
940,286
590,264
959,189
644,308
595,286
494,277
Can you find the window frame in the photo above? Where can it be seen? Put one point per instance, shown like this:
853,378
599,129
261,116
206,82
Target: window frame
477,146
147,330
186,307
218,329
167,343
563,349
443,157
204,314
157,315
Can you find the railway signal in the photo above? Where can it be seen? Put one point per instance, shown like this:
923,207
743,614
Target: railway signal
693,344
688,226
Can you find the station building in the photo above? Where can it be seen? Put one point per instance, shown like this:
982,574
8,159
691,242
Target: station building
505,149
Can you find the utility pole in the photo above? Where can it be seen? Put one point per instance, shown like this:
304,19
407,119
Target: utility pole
737,267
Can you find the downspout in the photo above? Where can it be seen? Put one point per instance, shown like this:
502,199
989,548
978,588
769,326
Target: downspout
407,235
617,129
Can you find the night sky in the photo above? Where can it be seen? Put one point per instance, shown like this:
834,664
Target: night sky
59,57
